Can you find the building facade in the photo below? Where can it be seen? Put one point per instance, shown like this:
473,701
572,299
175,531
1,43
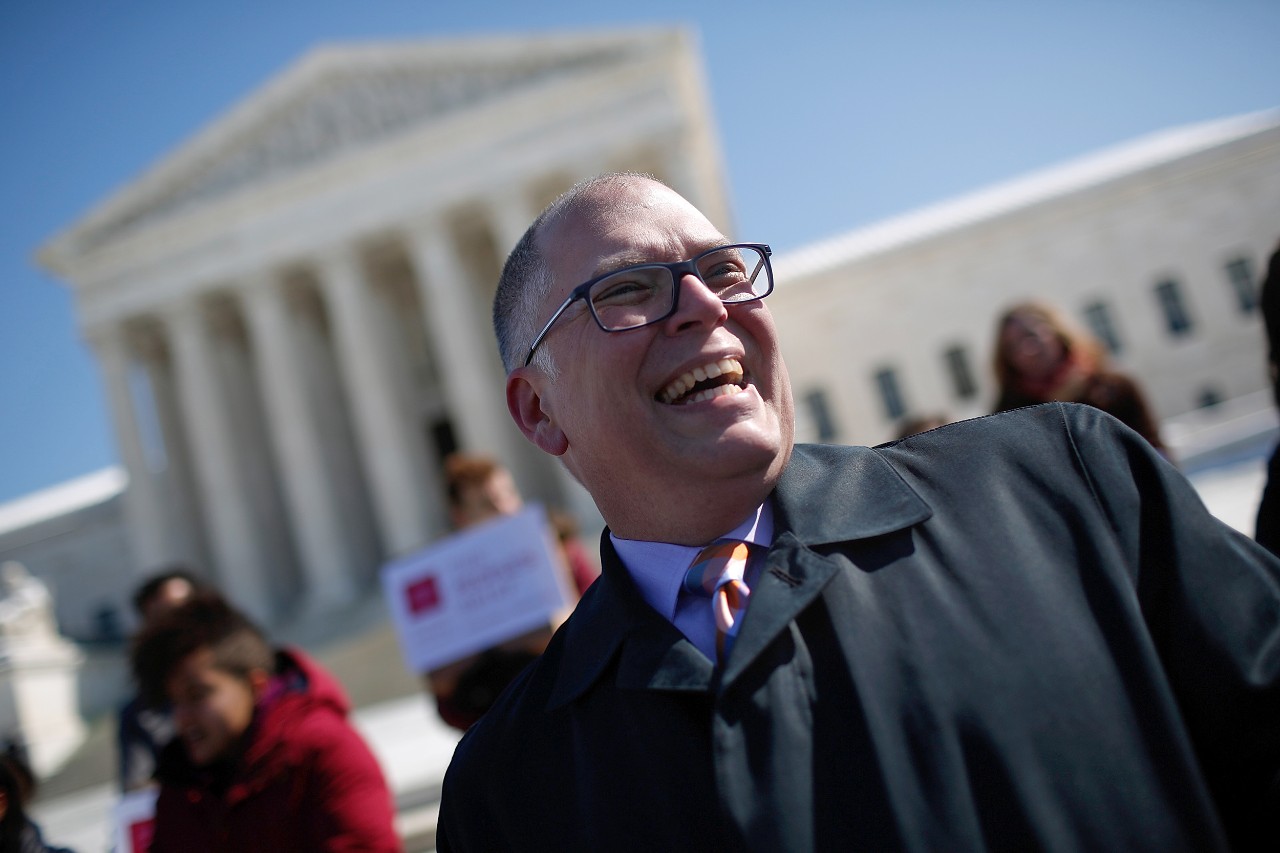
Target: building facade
1157,246
291,312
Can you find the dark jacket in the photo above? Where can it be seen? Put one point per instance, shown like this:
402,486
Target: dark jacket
1022,632
306,781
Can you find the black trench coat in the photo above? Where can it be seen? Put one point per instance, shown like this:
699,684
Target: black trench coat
1022,632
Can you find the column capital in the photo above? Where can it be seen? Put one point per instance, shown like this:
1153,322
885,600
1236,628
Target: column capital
342,256
180,310
425,232
257,281
104,336
510,212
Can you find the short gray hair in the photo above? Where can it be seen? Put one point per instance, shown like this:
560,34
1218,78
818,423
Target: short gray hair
526,276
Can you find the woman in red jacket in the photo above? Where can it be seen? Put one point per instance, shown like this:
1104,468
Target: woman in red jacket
264,758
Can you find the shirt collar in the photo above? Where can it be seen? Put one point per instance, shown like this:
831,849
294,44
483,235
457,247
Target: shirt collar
658,568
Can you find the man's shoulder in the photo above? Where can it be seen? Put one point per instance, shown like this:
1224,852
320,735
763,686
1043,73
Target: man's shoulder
1052,438
1042,431
1042,428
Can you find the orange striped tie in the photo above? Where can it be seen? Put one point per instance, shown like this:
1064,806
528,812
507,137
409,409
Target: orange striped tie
718,571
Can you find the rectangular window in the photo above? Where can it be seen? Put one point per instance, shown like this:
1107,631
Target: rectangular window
1098,317
962,381
820,412
890,394
1240,274
1176,319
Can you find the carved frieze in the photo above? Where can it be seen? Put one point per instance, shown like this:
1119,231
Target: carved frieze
345,109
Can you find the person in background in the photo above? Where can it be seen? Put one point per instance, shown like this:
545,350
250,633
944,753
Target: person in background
581,566
920,423
264,756
1268,524
1042,357
143,731
480,489
18,833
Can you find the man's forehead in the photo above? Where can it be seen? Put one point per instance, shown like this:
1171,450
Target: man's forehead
599,211
624,225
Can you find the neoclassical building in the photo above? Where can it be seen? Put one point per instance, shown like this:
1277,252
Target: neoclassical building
291,311
1158,246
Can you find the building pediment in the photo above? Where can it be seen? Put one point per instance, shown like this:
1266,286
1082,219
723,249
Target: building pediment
340,99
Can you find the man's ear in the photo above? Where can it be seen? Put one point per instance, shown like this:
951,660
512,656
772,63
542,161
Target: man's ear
528,409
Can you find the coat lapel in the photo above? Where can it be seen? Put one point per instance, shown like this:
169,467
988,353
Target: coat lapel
826,495
613,621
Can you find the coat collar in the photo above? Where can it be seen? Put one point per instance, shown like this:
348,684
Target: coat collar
826,495
830,494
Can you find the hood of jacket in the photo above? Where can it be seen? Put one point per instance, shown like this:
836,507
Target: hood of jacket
299,689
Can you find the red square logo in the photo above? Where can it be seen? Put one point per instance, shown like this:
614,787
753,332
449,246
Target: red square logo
141,833
423,595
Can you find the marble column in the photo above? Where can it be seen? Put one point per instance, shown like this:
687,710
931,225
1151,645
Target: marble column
314,511
241,555
144,497
393,454
181,494
468,364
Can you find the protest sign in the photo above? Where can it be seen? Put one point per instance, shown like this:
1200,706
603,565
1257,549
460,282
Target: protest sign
135,821
475,589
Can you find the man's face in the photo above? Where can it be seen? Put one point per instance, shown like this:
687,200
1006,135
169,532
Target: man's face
212,708
639,452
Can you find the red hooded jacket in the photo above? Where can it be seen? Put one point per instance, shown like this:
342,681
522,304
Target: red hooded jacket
305,780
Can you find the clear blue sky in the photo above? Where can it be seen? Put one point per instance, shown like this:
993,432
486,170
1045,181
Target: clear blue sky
831,115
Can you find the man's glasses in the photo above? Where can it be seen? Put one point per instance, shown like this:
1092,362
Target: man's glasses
638,296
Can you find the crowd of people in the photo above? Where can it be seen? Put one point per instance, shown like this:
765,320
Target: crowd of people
249,745
1017,632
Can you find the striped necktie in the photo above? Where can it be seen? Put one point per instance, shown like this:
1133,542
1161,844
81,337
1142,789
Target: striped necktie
718,572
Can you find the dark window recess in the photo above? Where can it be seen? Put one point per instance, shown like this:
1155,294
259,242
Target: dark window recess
820,413
1098,317
890,393
1240,274
1209,397
962,381
441,438
1176,318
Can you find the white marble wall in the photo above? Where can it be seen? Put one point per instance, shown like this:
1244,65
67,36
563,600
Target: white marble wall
902,302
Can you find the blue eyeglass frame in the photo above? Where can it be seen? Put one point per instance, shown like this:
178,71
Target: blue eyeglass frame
678,269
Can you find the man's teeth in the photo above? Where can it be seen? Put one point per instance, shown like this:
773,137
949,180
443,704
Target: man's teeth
709,393
729,368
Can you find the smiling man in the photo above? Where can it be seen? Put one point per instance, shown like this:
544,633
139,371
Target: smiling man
1020,632
628,402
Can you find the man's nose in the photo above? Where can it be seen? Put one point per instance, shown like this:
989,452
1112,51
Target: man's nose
697,305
